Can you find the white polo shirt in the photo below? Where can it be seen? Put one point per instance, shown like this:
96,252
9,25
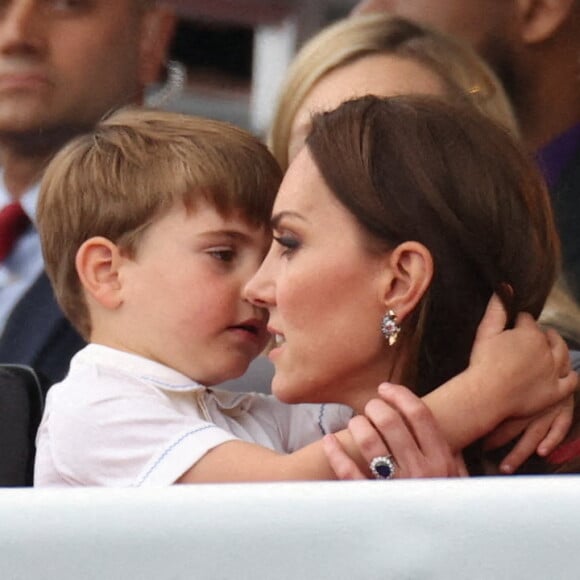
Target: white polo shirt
119,419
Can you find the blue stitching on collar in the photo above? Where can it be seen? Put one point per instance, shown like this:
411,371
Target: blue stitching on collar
321,417
169,449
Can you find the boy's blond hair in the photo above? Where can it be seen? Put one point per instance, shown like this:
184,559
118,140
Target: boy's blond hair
115,181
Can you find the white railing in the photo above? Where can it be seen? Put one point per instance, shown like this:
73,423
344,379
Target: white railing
489,528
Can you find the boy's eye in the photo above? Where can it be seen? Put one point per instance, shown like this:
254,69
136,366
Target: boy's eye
222,254
288,242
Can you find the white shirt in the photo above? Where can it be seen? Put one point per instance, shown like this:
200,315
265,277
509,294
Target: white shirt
122,420
24,264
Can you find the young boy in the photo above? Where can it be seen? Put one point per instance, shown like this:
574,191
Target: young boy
151,227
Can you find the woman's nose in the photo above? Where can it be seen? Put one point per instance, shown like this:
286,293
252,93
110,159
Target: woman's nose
259,290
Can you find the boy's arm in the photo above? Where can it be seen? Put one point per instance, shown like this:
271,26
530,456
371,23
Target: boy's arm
238,461
512,374
400,426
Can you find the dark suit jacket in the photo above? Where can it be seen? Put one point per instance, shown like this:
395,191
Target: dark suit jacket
566,204
38,335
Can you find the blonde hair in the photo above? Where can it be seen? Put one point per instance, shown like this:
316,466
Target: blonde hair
465,76
117,180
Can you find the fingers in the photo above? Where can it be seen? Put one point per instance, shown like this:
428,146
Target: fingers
400,426
558,429
340,462
543,434
568,385
410,433
421,442
526,445
493,321
368,439
560,352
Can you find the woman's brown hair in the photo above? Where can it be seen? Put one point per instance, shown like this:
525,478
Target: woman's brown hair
418,168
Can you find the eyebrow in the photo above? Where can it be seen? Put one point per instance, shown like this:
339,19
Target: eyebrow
276,219
232,234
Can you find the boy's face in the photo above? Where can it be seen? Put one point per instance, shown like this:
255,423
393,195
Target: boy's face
182,299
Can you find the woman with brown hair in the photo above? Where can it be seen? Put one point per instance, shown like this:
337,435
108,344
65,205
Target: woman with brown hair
399,220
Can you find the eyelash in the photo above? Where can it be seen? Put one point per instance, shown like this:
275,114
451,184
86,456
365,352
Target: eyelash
226,255
289,244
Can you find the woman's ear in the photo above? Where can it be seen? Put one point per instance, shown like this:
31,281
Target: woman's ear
97,264
410,267
540,19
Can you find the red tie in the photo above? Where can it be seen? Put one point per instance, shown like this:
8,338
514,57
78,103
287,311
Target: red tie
13,222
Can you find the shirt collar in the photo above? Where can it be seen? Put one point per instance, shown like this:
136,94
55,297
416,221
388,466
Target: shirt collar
157,374
28,200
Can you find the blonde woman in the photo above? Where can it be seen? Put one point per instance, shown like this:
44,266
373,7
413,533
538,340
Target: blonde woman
380,55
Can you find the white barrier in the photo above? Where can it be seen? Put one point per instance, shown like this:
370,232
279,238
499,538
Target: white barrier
489,528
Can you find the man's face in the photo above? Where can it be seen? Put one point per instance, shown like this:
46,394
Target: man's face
66,63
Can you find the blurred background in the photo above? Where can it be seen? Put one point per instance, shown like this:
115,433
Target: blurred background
235,53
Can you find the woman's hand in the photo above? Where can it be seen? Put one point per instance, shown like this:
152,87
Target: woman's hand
398,425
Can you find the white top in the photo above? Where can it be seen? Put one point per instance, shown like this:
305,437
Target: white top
122,420
24,264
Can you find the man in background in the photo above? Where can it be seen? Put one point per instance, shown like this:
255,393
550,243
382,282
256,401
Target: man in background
63,66
534,48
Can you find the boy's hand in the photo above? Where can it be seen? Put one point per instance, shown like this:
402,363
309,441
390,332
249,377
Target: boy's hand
541,434
524,370
399,425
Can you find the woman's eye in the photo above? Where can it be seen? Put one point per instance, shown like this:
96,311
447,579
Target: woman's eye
288,243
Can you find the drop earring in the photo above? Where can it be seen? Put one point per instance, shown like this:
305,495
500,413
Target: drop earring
390,328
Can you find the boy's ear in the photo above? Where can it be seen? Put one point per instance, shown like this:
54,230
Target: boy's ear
410,271
97,264
540,19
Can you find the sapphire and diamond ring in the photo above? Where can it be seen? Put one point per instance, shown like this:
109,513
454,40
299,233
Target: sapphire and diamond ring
383,467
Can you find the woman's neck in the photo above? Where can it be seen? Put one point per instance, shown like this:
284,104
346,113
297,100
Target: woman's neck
394,370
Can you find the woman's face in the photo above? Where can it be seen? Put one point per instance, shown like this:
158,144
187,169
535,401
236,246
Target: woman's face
325,294
382,75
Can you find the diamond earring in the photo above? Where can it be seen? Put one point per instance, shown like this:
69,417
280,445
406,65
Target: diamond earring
390,328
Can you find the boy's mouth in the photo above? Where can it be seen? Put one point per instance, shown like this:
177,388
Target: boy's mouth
253,326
